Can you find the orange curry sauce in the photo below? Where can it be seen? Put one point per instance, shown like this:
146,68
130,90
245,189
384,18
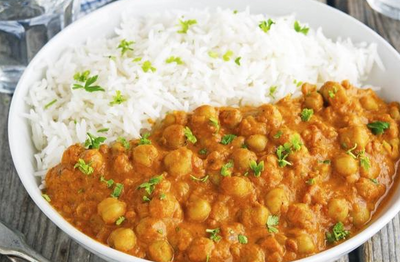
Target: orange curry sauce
269,183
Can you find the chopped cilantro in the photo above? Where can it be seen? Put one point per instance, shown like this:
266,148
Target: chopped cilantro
338,233
282,153
214,234
173,59
147,66
350,151
118,99
149,186
203,151
93,142
146,199
378,127
266,25
162,196
88,82
120,220
242,239
375,181
272,91
103,130
257,169
144,140
225,169
185,25
227,139
364,160
109,182
272,222
299,29
83,167
227,56
306,114
310,181
189,135
213,54
46,197
278,134
237,60
50,104
215,123
117,190
124,142
125,46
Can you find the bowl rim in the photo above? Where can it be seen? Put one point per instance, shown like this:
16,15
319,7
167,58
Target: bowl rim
109,253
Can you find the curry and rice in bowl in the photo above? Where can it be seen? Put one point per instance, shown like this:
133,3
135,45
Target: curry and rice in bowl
213,137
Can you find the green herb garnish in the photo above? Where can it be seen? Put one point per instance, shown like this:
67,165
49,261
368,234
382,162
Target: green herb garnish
227,56
375,181
162,196
149,186
215,123
266,25
296,142
272,91
242,239
272,222
278,134
124,142
173,59
185,25
144,140
225,169
282,153
310,181
146,199
203,151
103,130
88,82
213,54
120,220
93,142
237,60
137,59
378,127
306,114
257,169
189,135
227,139
299,29
117,190
364,160
46,197
83,167
118,99
125,46
147,66
350,151
50,104
109,182
214,234
338,233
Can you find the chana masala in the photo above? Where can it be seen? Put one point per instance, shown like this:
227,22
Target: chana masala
270,183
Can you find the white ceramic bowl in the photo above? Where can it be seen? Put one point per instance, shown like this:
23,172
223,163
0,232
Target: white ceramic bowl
102,22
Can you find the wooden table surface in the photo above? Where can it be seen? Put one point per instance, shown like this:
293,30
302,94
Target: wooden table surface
18,210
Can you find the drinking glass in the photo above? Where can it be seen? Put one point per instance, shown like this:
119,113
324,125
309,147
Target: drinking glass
389,8
25,26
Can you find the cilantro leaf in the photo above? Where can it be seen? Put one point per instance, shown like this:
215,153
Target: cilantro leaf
242,239
266,25
272,91
227,56
120,220
50,104
215,123
118,99
225,169
299,29
117,190
149,186
378,127
88,82
144,140
93,142
227,139
109,182
338,233
213,54
237,60
278,134
173,59
272,222
124,142
185,25
214,234
203,151
46,197
125,46
147,66
306,114
83,167
257,169
189,135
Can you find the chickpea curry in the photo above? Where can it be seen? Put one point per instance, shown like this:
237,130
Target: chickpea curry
270,183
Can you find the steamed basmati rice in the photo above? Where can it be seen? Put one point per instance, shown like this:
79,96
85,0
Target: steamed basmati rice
281,58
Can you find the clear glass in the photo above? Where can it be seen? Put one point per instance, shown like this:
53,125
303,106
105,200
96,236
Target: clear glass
25,26
390,8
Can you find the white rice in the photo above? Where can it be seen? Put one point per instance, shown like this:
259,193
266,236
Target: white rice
279,58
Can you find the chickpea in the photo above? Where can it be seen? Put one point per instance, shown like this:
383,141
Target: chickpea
252,253
231,117
269,114
198,210
181,239
71,155
123,239
353,135
254,216
219,212
231,231
367,189
206,111
249,126
122,164
149,229
173,136
313,101
369,103
305,244
95,158
345,165
179,162
176,117
334,93
200,249
110,209
360,214
276,200
163,207
236,186
242,158
338,209
145,155
161,251
301,215
257,143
